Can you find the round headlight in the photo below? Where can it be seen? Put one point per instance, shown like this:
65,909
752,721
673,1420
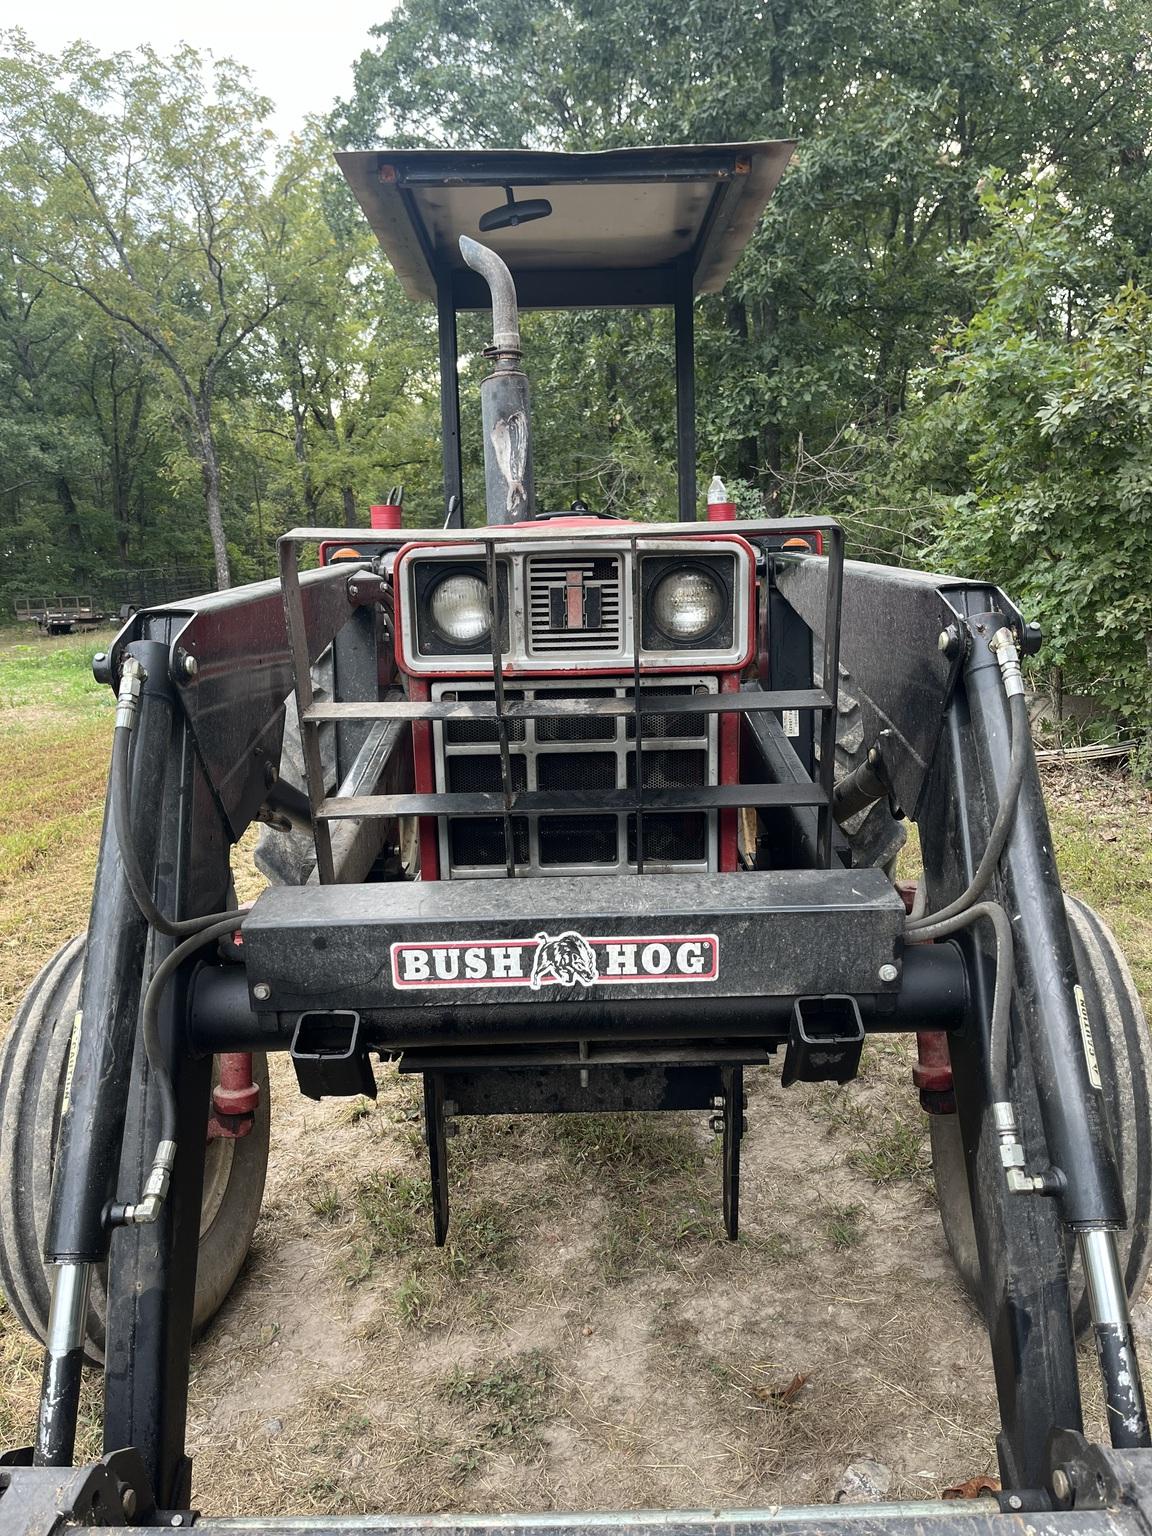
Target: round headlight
687,604
458,609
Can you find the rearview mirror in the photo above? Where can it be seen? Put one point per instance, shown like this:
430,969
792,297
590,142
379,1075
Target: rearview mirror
512,213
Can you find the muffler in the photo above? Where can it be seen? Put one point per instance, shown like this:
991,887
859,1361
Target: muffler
509,489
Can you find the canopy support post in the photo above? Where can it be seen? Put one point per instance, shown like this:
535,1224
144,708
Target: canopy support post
450,403
685,392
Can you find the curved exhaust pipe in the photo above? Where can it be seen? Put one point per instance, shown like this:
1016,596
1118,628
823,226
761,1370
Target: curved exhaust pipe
510,492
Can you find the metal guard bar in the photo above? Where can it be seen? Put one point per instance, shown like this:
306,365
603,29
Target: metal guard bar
509,801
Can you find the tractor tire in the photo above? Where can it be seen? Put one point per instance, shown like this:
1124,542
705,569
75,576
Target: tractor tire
1125,1057
874,834
33,1064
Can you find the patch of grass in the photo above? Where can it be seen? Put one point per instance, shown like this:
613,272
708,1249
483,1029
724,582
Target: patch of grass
359,1109
414,1300
1102,835
633,1149
660,1184
58,673
843,1226
392,1210
325,1200
894,1149
393,1217
511,1399
480,1238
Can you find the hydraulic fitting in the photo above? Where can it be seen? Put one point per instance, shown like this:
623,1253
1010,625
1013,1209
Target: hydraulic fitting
1003,647
1048,1182
132,679
148,1207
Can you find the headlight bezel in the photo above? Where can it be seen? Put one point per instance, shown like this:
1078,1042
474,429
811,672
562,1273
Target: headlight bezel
425,561
427,575
719,568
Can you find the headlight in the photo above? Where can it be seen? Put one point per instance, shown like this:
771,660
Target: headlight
687,604
458,608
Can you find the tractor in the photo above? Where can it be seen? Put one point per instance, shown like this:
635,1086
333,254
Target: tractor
566,812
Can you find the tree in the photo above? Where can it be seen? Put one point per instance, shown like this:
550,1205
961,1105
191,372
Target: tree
126,183
347,352
1029,448
898,108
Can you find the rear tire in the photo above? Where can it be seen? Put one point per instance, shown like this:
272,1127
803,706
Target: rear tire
33,1064
1125,1056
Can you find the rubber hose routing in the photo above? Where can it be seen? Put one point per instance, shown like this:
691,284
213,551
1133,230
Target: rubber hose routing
133,874
1021,736
119,1214
944,927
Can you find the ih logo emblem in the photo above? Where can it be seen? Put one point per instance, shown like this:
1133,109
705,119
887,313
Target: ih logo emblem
565,959
575,603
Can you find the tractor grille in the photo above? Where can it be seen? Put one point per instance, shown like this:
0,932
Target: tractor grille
582,754
574,605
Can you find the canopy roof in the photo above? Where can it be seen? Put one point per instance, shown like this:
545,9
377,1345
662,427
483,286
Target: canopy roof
624,222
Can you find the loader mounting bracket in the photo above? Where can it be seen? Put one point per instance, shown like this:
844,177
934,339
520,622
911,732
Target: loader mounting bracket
42,1501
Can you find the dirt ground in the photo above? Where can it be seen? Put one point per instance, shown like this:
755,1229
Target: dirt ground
587,1339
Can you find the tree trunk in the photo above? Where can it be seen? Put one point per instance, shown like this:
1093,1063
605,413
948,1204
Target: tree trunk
210,478
349,507
74,532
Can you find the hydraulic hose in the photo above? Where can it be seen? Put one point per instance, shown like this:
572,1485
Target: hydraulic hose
121,820
194,932
968,907
1001,826
156,1187
942,928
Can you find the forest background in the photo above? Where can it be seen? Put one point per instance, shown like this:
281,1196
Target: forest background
940,333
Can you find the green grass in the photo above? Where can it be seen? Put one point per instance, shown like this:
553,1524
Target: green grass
843,1226
510,1400
634,1149
392,1214
1105,858
54,673
895,1149
325,1200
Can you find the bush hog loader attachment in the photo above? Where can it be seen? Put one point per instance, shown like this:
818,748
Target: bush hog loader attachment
571,813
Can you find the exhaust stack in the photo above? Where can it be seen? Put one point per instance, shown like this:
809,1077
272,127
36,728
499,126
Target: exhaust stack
510,492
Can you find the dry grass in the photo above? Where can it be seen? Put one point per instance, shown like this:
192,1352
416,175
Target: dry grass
587,1339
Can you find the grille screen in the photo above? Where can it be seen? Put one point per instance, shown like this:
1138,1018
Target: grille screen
583,754
687,726
580,727
578,839
482,773
669,770
576,770
670,836
479,840
573,604
473,732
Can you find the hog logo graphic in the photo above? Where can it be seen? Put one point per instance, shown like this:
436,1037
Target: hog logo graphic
567,959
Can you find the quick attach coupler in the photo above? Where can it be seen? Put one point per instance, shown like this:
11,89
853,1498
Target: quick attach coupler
1048,1182
132,679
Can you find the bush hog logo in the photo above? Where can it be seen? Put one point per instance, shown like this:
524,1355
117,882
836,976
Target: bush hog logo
567,959
562,960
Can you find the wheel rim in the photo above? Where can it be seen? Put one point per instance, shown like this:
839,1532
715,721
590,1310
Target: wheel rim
218,1156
